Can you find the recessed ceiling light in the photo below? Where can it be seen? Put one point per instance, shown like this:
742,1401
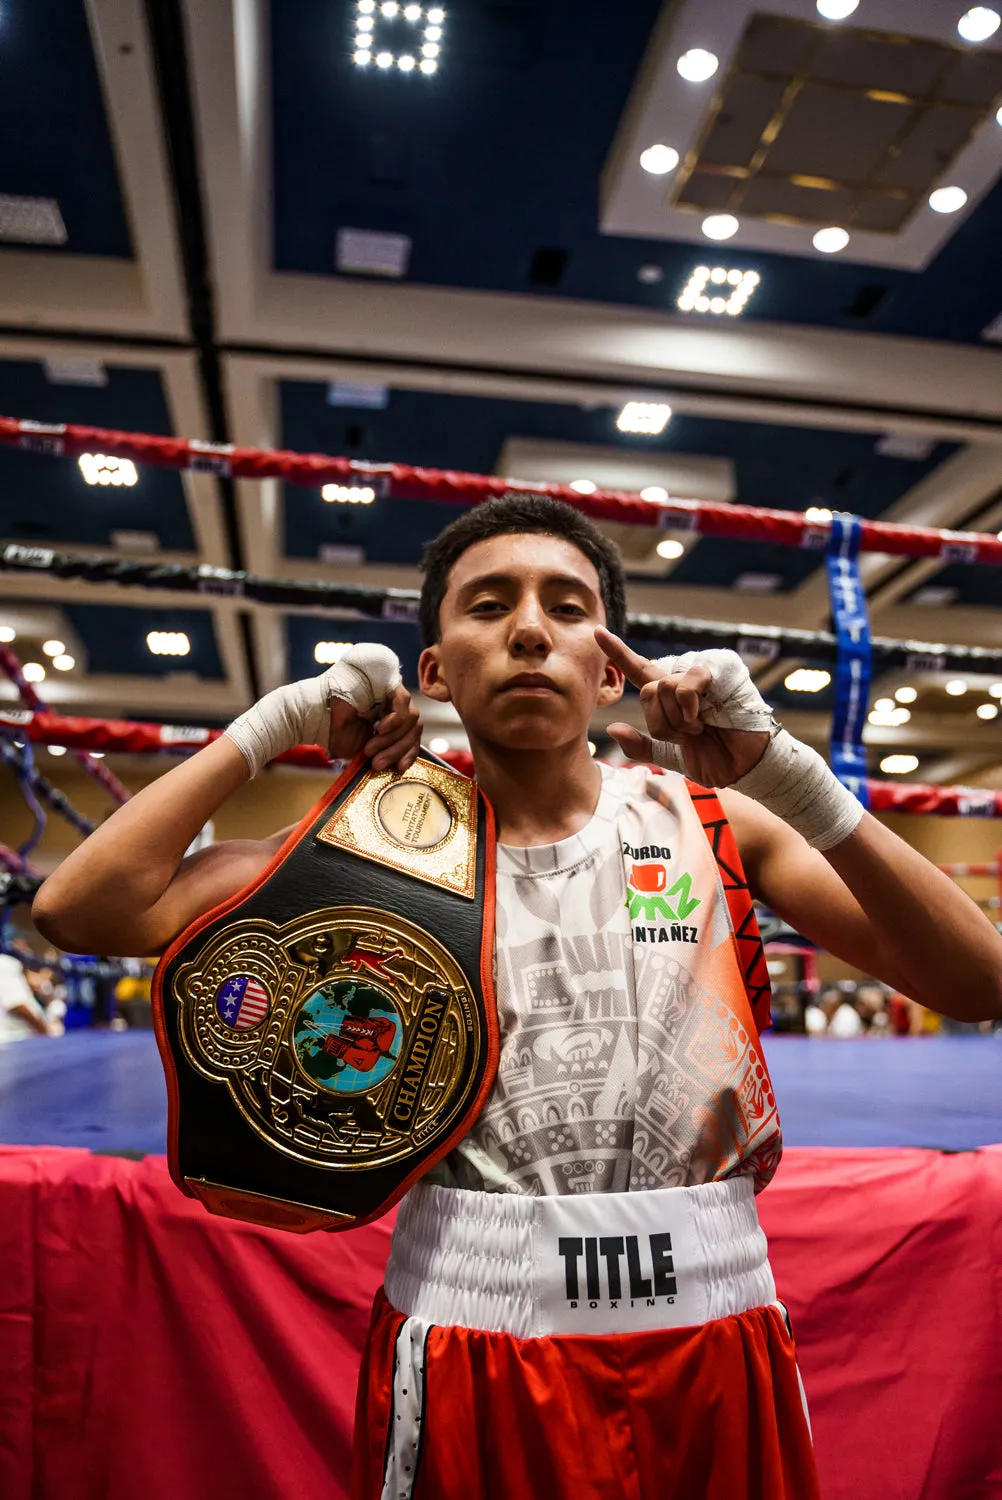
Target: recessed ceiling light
436,15
64,663
738,284
98,468
995,689
349,494
361,58
888,718
979,23
57,749
697,65
33,671
412,12
428,65
987,710
807,680
389,8
884,705
53,648
384,59
905,694
720,226
7,634
365,7
830,241
947,200
364,23
328,652
818,515
648,417
659,159
836,10
96,754
650,275
899,765
670,549
583,486
439,745
433,33
956,687
430,49
406,63
656,494
168,643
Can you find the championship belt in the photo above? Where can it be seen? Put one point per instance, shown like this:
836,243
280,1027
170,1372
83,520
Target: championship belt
330,1032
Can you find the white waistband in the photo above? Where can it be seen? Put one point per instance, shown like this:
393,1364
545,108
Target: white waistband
591,1263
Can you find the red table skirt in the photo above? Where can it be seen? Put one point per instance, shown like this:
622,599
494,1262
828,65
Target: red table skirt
151,1352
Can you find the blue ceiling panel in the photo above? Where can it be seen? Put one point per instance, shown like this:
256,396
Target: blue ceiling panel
54,137
115,639
304,631
499,156
47,499
788,468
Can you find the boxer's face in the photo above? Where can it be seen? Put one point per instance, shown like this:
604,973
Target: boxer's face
517,653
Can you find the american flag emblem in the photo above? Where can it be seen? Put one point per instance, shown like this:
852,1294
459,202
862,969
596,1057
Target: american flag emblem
242,1002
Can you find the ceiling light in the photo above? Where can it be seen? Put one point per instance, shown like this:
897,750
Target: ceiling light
717,304
979,23
905,694
433,33
439,745
168,643
831,241
946,200
899,765
365,7
720,226
669,549
693,296
718,275
57,749
658,495
33,671
64,662
650,275
818,515
702,304
697,65
361,58
53,648
956,687
987,710
96,754
98,468
996,689
735,278
888,718
364,23
349,494
389,8
884,705
430,49
412,12
659,159
807,680
384,59
406,63
7,634
328,652
836,10
648,417
428,65
583,486
436,15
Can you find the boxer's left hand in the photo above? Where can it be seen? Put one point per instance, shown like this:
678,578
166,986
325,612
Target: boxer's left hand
703,703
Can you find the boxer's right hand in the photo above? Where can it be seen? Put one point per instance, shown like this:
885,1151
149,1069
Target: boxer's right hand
390,742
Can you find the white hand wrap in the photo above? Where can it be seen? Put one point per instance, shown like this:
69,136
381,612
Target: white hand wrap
299,713
791,779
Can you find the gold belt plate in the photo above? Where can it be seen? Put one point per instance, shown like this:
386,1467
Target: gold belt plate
343,1036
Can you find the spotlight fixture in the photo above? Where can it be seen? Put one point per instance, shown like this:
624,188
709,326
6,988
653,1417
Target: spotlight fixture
659,159
995,689
64,662
439,745
987,710
328,652
53,648
818,515
97,468
656,494
979,23
905,694
56,749
739,286
647,417
956,687
697,65
947,200
427,43
168,643
888,718
349,494
720,226
33,671
7,634
883,705
583,486
807,680
899,765
830,241
669,549
836,10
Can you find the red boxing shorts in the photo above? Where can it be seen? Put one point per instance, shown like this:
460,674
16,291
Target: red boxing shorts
616,1346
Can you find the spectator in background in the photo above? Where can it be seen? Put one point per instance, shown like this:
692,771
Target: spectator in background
871,1003
21,1014
841,1014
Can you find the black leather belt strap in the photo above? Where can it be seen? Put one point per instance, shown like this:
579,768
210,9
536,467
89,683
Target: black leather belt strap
330,1032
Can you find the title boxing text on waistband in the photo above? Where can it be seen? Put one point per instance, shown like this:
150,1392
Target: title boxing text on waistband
594,1263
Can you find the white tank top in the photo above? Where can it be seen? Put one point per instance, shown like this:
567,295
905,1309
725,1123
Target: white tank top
630,1056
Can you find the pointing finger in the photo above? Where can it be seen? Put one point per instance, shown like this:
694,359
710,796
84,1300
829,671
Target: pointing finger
636,669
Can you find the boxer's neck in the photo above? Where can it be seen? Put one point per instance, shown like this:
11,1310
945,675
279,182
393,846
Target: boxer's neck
538,796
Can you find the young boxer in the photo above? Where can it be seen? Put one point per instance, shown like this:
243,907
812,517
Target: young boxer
578,1301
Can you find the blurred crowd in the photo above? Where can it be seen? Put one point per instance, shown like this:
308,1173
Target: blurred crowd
866,1008
47,993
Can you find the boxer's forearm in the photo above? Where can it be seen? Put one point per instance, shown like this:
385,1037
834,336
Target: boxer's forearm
103,895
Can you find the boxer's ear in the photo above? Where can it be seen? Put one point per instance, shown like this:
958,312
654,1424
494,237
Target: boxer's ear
430,678
612,685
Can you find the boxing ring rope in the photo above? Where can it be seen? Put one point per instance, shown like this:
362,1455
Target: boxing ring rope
407,482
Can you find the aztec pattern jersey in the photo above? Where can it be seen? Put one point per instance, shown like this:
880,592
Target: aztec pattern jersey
630,1056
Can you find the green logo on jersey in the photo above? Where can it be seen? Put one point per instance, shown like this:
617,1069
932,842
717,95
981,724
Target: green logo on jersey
646,907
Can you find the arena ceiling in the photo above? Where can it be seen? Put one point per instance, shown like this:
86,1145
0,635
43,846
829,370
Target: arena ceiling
215,223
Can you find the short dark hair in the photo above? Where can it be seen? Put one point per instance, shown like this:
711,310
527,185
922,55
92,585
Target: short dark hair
519,512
